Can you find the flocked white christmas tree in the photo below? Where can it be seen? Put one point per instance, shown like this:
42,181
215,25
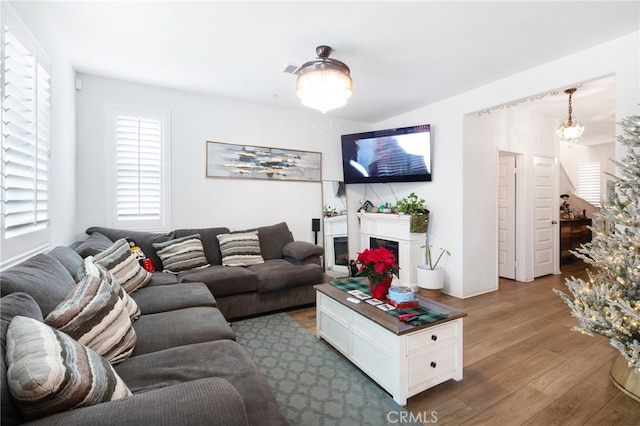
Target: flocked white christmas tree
608,303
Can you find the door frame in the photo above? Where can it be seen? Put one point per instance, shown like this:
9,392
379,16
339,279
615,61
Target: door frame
512,158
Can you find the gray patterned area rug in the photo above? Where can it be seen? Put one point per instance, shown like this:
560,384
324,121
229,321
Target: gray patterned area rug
313,383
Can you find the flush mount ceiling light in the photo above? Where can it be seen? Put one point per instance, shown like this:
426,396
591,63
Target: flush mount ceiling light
570,129
324,83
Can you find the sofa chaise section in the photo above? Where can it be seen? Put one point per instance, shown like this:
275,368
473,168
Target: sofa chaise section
186,367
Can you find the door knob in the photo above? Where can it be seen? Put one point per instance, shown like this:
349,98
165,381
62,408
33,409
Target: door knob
553,222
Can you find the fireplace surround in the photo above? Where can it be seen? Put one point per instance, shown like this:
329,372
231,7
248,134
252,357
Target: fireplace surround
392,230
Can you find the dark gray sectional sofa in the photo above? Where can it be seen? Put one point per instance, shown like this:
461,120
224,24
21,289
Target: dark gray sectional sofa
186,367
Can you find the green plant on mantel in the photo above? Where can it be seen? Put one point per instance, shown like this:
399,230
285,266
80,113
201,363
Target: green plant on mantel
415,206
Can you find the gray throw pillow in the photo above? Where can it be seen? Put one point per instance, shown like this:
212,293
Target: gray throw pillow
124,265
48,372
240,249
181,254
94,315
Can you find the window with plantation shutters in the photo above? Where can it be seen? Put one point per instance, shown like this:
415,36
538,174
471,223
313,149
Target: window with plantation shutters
139,169
589,182
26,108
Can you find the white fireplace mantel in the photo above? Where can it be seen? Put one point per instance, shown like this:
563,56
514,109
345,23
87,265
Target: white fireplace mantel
392,227
335,226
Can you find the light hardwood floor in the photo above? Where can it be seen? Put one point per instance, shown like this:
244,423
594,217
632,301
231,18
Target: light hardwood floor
522,363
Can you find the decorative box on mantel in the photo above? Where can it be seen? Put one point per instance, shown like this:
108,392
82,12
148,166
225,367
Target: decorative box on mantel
394,232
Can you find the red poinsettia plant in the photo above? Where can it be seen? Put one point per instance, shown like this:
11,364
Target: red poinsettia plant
377,264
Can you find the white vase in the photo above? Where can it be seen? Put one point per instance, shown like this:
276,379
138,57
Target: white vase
430,281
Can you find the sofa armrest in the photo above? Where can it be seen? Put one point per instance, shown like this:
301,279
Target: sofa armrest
302,252
211,401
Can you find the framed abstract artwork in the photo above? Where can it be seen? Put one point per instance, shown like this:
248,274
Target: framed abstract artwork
225,160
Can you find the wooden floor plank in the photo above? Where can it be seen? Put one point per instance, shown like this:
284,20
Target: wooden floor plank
516,408
567,375
579,404
509,381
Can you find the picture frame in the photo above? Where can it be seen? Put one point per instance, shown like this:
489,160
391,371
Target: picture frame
235,161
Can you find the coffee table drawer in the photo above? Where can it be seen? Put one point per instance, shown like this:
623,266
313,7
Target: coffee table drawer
431,338
431,366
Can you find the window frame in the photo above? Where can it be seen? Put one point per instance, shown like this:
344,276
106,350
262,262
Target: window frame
22,243
591,192
163,116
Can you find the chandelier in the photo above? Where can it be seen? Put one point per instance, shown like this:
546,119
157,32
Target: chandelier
570,129
324,84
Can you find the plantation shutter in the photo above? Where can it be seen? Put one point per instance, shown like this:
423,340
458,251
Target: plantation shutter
140,175
589,182
26,106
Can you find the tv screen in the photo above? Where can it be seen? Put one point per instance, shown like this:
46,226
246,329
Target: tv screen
392,155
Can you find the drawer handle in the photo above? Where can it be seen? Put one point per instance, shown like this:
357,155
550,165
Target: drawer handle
434,337
433,364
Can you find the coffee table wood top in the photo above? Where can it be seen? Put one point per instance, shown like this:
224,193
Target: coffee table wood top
385,320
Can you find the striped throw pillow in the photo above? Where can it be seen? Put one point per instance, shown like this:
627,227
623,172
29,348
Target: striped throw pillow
94,315
241,249
129,303
48,372
181,254
123,264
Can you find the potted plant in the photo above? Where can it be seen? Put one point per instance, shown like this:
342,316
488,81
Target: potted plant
430,277
379,266
415,206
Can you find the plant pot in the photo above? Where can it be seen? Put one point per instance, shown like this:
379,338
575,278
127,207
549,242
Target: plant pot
626,379
419,223
381,289
430,281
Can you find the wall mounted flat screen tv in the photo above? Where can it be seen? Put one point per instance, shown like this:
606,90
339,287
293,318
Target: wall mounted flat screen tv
392,155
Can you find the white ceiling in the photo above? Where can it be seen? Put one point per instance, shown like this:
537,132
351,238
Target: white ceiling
403,55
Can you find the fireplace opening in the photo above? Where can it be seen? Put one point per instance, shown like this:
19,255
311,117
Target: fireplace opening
392,246
341,251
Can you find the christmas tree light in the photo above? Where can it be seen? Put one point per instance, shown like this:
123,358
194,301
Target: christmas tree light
608,303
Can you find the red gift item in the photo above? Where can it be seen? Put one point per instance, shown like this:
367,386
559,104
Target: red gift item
403,305
147,264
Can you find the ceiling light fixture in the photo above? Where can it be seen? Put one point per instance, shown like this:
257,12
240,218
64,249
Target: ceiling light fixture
570,129
324,83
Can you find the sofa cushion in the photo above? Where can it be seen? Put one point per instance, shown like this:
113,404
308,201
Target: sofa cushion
223,281
163,298
301,250
180,327
273,238
161,278
224,358
209,238
11,306
49,372
94,315
41,276
240,249
68,258
93,244
181,254
143,239
278,274
123,264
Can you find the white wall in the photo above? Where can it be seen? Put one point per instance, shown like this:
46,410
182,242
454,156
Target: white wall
461,195
63,138
197,201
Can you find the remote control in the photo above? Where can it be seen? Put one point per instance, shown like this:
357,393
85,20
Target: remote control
353,300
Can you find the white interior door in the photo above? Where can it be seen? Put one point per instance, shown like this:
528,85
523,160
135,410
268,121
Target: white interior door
507,216
543,236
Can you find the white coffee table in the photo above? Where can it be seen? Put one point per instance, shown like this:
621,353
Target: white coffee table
403,359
